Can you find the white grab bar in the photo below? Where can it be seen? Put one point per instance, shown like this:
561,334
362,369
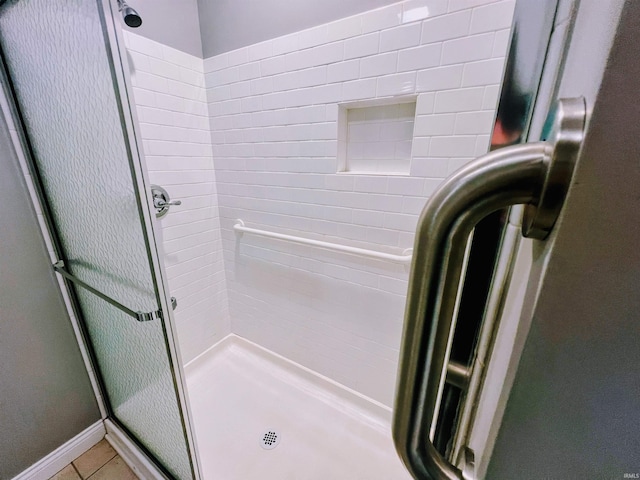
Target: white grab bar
404,258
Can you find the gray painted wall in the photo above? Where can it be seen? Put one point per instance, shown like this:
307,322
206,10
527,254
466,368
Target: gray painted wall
229,24
574,411
209,27
45,394
171,22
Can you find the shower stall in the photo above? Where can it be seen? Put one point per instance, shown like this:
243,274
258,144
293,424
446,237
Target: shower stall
235,230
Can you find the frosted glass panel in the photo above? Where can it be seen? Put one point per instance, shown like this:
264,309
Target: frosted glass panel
58,62
136,371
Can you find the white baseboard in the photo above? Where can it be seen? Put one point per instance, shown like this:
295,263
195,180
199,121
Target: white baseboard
131,454
48,466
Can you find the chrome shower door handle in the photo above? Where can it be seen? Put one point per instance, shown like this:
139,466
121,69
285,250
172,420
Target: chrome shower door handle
534,174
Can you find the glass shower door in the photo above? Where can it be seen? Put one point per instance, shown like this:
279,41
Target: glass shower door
64,83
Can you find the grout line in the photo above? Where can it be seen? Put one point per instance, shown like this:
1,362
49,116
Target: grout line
75,469
105,464
108,461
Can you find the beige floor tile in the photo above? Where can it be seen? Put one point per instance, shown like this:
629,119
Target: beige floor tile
67,473
116,469
93,459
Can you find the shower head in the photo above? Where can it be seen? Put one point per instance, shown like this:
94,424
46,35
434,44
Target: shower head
130,16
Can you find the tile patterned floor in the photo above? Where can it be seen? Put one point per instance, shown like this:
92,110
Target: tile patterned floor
100,462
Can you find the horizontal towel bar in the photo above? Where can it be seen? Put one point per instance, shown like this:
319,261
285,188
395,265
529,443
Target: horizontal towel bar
139,316
404,258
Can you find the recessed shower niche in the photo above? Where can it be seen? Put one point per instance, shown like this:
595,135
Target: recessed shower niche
376,138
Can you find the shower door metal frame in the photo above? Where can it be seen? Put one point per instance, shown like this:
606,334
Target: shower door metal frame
116,49
114,46
100,391
27,151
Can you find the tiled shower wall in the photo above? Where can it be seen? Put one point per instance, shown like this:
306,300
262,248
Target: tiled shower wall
171,106
274,109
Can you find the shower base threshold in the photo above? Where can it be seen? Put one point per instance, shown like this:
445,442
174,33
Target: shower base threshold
243,395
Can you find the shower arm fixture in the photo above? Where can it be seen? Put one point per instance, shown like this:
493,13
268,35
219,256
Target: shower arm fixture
130,16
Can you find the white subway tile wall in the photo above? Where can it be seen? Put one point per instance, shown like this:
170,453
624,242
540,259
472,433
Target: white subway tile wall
273,111
172,111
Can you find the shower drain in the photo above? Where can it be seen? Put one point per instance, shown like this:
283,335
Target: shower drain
270,439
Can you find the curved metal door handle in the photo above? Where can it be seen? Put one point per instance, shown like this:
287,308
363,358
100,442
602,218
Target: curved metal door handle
535,174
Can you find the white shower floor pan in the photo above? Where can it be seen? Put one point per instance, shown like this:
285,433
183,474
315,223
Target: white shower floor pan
239,391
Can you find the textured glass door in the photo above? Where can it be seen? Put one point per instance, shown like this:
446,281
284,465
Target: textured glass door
59,63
